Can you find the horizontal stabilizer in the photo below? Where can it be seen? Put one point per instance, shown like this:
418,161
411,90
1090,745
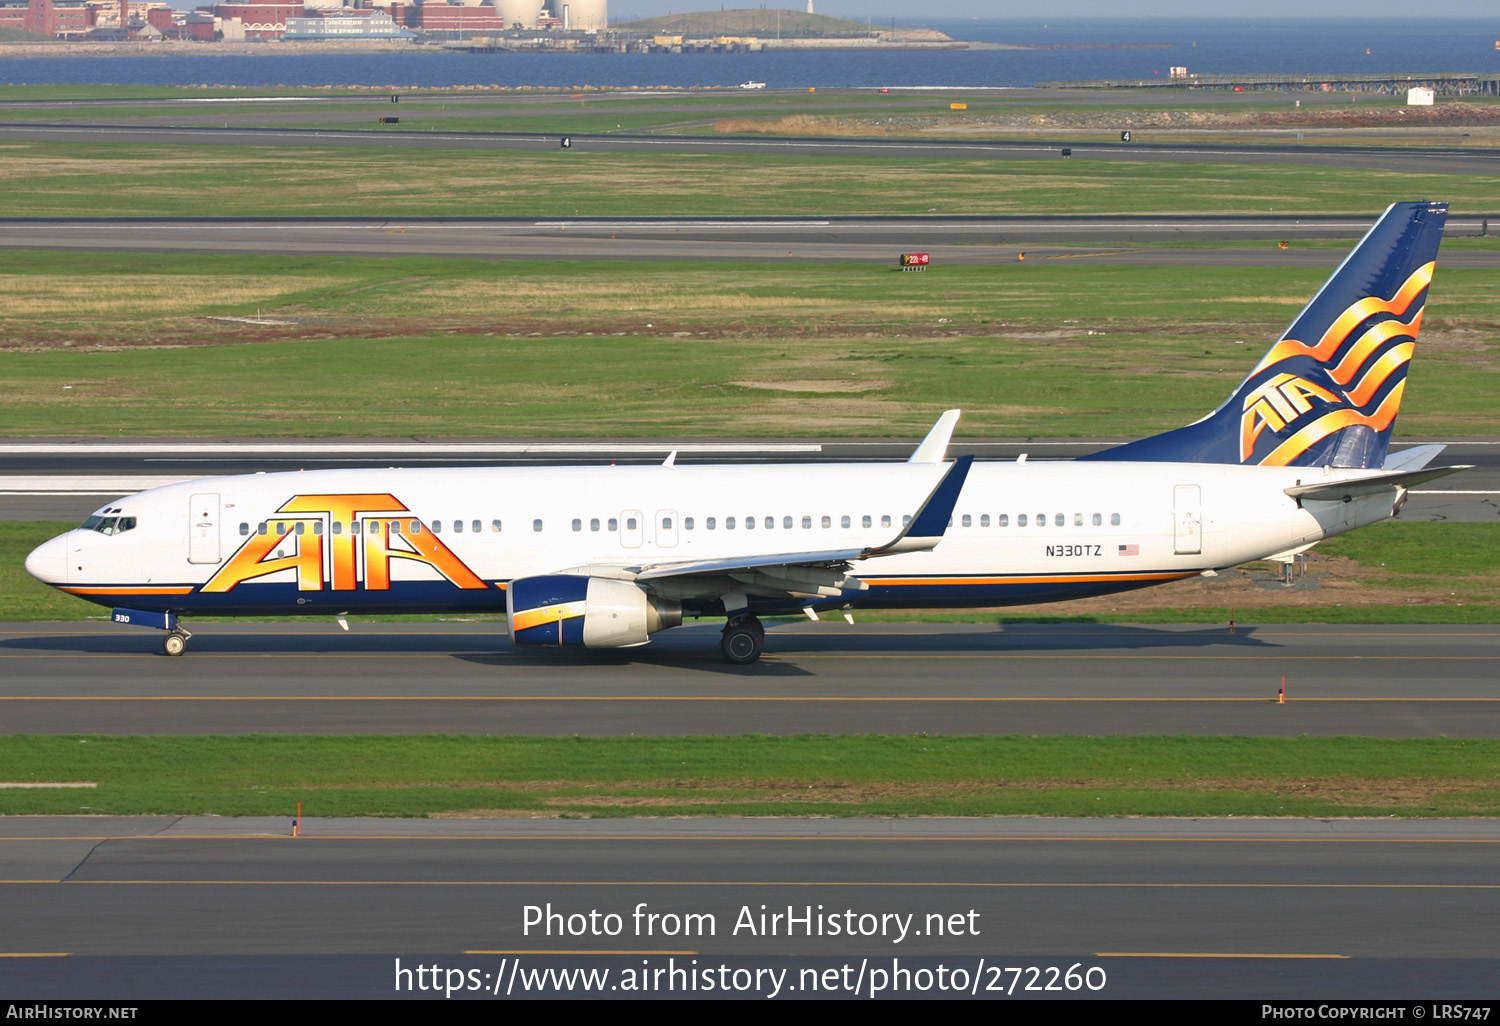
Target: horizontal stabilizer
1414,458
1353,488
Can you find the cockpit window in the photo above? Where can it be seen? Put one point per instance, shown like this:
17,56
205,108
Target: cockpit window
108,525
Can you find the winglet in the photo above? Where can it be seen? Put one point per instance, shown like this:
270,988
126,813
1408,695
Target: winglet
934,448
927,527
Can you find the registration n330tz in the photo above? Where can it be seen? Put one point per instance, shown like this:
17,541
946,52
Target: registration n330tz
604,557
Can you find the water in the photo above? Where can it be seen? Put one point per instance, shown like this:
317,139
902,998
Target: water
1206,46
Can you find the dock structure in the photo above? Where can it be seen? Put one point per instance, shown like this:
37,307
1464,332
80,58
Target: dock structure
1443,84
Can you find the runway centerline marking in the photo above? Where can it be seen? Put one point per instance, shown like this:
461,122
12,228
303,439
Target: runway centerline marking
863,884
929,699
1174,839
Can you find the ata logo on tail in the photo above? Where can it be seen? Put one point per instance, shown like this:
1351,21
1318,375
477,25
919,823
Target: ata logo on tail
347,541
1374,359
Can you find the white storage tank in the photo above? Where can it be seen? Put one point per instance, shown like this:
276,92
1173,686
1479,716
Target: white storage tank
583,15
519,13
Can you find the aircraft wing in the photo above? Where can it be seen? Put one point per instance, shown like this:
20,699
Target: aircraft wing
922,532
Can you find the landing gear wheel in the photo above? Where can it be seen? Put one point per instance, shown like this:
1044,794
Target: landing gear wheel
742,641
174,644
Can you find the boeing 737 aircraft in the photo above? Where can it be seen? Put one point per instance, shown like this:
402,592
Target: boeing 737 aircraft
603,557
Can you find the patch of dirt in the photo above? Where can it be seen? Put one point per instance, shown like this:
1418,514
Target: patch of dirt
809,385
1447,114
1349,791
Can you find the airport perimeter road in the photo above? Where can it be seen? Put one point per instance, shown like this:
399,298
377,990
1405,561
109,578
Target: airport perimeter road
950,241
68,479
208,907
1381,681
1422,159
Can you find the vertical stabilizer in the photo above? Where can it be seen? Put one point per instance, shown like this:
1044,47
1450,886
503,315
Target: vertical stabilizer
1328,392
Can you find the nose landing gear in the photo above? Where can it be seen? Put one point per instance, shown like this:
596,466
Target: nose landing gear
175,643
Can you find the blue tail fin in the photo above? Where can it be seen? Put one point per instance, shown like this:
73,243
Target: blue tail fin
1328,392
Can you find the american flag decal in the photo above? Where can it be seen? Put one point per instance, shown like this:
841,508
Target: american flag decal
1130,550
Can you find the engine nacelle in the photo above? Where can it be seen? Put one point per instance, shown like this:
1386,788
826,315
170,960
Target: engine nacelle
563,610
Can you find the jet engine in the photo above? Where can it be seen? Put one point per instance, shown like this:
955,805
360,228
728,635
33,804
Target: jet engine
568,610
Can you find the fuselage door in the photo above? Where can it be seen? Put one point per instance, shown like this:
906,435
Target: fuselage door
203,529
666,528
1187,506
631,528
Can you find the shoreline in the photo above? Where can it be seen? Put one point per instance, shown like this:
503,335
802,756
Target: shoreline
184,48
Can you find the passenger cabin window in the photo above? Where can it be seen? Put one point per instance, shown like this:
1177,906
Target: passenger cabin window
594,524
867,521
712,522
478,526
495,526
968,520
885,521
807,523
984,520
245,529
1021,520
1098,520
630,524
666,523
749,523
1114,519
614,525
687,523
536,525
844,521
437,527
354,527
786,523
338,527
1060,519
1004,520
577,524
729,523
827,522
458,527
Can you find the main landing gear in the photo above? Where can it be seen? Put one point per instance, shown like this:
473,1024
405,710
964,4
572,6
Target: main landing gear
175,643
743,639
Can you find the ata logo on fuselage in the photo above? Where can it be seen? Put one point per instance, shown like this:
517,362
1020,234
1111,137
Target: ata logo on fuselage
345,542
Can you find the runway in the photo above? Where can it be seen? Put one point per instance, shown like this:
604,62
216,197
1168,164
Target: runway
156,907
402,678
976,241
1417,159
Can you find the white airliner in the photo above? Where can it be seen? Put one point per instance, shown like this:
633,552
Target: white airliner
605,556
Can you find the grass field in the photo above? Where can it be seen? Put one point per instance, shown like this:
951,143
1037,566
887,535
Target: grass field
753,776
46,179
122,344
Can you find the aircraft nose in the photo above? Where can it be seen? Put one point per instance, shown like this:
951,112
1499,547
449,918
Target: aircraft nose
48,562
